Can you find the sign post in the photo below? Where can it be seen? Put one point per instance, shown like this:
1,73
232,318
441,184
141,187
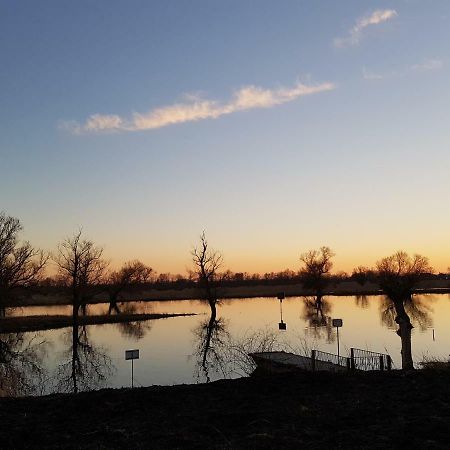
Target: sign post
281,325
337,323
132,354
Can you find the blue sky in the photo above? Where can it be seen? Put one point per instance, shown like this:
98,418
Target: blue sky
275,126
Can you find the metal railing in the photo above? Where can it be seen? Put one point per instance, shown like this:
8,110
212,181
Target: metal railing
317,357
359,360
367,360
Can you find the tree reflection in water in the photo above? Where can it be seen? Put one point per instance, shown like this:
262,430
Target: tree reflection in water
416,307
136,330
316,312
21,364
217,352
212,344
362,301
87,366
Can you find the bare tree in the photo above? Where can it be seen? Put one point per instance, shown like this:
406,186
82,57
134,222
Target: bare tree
398,275
207,263
21,265
316,268
132,272
82,264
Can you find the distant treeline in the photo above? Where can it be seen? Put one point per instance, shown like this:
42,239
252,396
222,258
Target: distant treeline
166,281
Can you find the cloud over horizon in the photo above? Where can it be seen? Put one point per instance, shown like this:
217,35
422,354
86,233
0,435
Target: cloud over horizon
356,32
195,108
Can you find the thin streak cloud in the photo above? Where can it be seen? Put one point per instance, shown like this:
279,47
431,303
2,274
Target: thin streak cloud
355,33
195,108
429,65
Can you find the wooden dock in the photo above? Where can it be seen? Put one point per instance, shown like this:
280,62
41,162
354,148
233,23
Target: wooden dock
321,361
289,362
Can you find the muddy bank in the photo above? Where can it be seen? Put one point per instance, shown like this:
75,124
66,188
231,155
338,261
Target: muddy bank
40,323
60,297
321,410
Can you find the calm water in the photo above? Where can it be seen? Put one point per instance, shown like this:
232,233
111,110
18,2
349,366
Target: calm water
168,346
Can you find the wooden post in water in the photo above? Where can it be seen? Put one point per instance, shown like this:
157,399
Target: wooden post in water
313,360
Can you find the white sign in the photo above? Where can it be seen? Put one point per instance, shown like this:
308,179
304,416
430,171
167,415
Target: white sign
131,354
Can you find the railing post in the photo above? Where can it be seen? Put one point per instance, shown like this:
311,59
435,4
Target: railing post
389,362
381,362
352,358
313,360
349,366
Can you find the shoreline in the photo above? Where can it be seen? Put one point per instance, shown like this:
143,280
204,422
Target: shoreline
22,324
345,288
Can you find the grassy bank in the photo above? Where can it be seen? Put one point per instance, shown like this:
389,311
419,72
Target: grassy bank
321,410
40,323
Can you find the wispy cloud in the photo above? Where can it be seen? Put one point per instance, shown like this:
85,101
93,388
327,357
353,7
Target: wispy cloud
425,66
195,108
356,32
429,64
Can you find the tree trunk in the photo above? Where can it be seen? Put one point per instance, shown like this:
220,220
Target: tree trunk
404,331
74,347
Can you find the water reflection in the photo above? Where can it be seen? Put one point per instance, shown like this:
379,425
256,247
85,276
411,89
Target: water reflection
212,344
135,330
21,364
416,307
86,366
317,314
362,301
405,313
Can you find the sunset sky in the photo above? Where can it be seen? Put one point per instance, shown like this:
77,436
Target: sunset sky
277,127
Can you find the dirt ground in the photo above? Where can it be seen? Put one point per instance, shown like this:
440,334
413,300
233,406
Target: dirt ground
314,410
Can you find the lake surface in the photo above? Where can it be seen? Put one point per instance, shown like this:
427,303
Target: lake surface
170,349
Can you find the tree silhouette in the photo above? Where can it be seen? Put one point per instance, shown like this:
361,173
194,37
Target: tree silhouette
81,264
212,347
21,265
132,272
398,275
316,268
21,364
207,263
87,366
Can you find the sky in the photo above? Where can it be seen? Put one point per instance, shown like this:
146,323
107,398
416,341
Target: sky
276,127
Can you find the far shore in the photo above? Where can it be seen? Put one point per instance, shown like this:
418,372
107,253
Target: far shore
41,323
137,293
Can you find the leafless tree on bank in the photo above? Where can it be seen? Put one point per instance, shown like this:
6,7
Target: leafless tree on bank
21,265
132,272
82,264
316,269
207,263
398,275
